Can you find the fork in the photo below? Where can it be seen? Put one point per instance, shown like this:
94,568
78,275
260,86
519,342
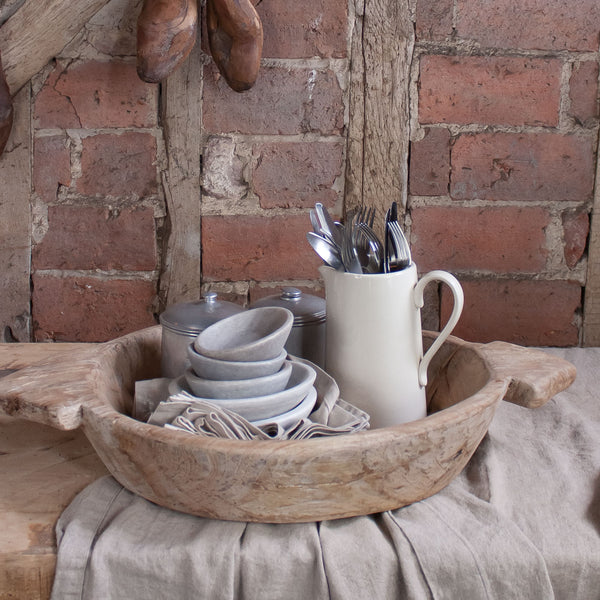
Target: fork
397,250
369,249
366,215
402,256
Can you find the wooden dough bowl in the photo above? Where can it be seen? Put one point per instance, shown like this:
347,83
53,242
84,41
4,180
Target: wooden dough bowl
281,481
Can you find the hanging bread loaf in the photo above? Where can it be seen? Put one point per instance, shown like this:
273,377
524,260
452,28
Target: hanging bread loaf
166,34
235,37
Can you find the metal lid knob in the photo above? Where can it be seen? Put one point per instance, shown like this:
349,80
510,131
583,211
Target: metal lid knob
291,293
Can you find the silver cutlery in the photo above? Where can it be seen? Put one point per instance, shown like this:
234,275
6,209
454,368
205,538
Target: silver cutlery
369,249
397,249
326,249
353,246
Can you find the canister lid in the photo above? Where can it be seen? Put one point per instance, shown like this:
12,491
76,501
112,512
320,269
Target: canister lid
194,317
306,308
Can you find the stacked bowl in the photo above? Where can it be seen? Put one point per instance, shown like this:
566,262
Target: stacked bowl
240,364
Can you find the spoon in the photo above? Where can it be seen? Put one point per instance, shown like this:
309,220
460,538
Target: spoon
328,225
326,250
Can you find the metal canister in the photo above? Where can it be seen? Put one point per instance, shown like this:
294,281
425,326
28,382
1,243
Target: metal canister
307,338
182,322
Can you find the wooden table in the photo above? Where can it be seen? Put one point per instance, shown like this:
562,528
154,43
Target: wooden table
41,470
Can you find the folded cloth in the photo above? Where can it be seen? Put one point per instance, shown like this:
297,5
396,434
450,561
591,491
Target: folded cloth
332,416
521,522
148,394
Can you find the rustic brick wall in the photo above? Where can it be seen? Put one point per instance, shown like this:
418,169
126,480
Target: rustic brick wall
504,136
502,164
96,203
274,151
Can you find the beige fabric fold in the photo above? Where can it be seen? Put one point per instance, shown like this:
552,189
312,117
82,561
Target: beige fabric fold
521,522
331,415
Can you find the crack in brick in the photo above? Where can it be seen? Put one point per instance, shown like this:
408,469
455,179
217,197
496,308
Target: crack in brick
66,96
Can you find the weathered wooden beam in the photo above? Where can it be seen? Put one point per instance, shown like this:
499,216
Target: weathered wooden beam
591,306
378,131
15,224
182,123
37,32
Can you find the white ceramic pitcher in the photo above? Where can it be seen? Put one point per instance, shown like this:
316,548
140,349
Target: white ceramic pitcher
374,347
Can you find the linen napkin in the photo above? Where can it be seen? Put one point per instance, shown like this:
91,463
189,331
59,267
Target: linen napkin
332,415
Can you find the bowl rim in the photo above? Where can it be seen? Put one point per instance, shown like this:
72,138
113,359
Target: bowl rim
236,363
225,383
295,364
244,316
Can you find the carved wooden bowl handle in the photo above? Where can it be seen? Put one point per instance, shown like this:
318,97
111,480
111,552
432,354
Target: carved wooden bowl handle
535,376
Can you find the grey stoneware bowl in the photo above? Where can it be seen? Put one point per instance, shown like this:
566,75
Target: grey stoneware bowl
262,407
213,368
255,334
239,388
301,411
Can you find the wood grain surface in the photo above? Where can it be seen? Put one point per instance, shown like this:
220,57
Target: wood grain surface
15,223
181,118
378,131
37,32
42,470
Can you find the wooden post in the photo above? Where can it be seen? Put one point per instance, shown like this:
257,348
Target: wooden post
15,224
378,131
182,123
591,306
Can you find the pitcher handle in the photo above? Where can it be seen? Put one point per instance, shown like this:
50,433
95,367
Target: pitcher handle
457,292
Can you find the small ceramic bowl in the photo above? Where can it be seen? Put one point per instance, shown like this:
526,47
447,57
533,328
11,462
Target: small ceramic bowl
263,407
213,368
297,413
239,388
256,334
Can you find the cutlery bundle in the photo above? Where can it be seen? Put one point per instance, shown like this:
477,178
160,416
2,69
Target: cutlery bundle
354,247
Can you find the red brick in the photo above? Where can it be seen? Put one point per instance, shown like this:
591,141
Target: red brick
522,166
52,110
86,237
236,248
283,101
434,19
51,166
583,92
86,309
498,239
529,313
530,24
304,29
492,90
576,227
96,94
118,165
429,171
297,174
430,312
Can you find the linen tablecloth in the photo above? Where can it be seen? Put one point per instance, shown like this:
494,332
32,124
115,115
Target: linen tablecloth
521,521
